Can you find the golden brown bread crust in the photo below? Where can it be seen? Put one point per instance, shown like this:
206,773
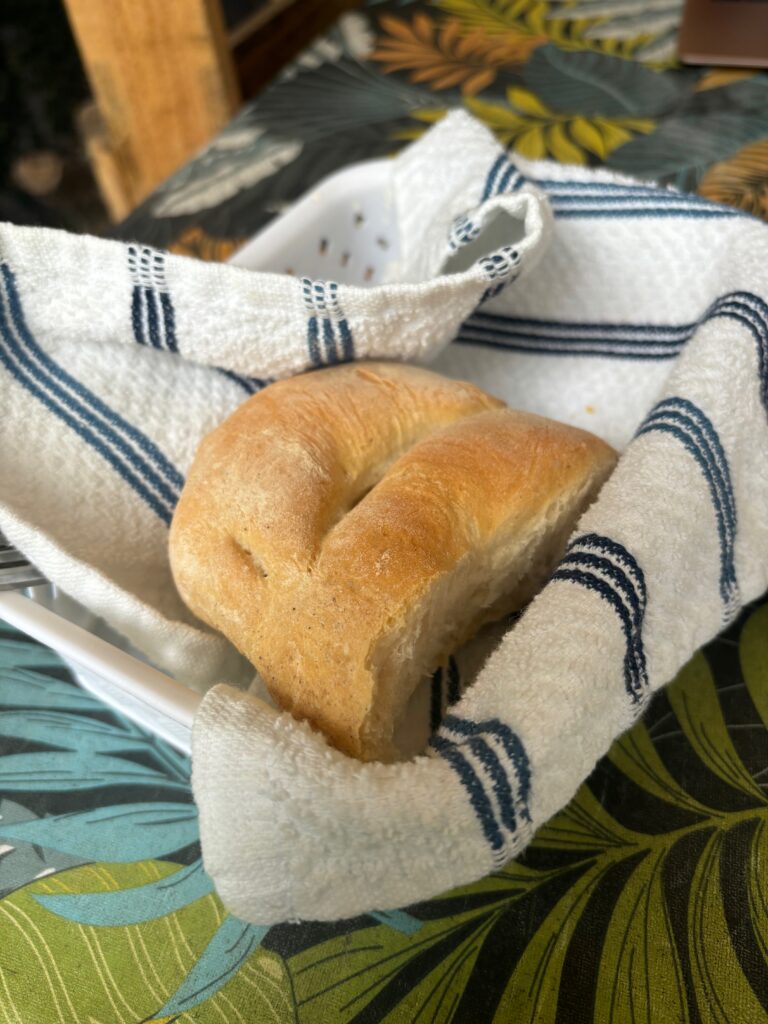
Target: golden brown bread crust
348,528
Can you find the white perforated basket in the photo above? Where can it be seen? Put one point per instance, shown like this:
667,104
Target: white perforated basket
342,229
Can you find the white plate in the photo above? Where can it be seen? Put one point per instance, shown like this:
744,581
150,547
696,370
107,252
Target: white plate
104,666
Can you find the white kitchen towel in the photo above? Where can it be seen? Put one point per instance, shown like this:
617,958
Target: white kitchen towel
647,322
116,359
637,312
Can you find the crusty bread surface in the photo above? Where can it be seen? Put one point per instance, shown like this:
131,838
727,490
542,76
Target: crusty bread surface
349,528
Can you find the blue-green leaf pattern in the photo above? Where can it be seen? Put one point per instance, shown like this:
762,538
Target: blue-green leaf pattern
28,688
120,833
599,84
65,771
689,143
21,862
232,944
132,906
69,732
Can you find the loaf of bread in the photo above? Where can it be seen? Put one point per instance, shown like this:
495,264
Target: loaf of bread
349,528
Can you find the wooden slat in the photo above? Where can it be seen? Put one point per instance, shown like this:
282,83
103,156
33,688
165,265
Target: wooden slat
162,76
264,44
110,175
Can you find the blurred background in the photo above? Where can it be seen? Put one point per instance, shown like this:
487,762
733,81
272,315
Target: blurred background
45,177
189,124
85,135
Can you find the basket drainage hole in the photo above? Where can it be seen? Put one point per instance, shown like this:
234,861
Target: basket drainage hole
344,259
382,243
323,247
367,276
359,219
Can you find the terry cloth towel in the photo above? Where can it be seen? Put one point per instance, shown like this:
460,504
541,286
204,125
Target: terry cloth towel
122,357
634,311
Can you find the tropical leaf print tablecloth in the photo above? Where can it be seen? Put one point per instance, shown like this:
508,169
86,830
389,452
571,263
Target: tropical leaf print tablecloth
578,81
645,899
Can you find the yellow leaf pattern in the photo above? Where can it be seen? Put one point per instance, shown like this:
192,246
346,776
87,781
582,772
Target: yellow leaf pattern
534,131
741,180
57,971
532,17
448,56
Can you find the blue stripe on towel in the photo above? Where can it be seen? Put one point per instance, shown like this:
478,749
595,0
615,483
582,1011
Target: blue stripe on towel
638,210
668,332
634,664
152,314
326,324
554,186
606,199
617,340
169,322
148,295
501,268
616,188
615,575
137,317
618,570
151,450
490,180
478,797
510,180
509,740
683,407
249,384
502,178
462,231
688,424
552,337
346,351
523,346
329,343
477,752
312,342
571,199
347,347
750,311
495,771
82,431
154,478
597,542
